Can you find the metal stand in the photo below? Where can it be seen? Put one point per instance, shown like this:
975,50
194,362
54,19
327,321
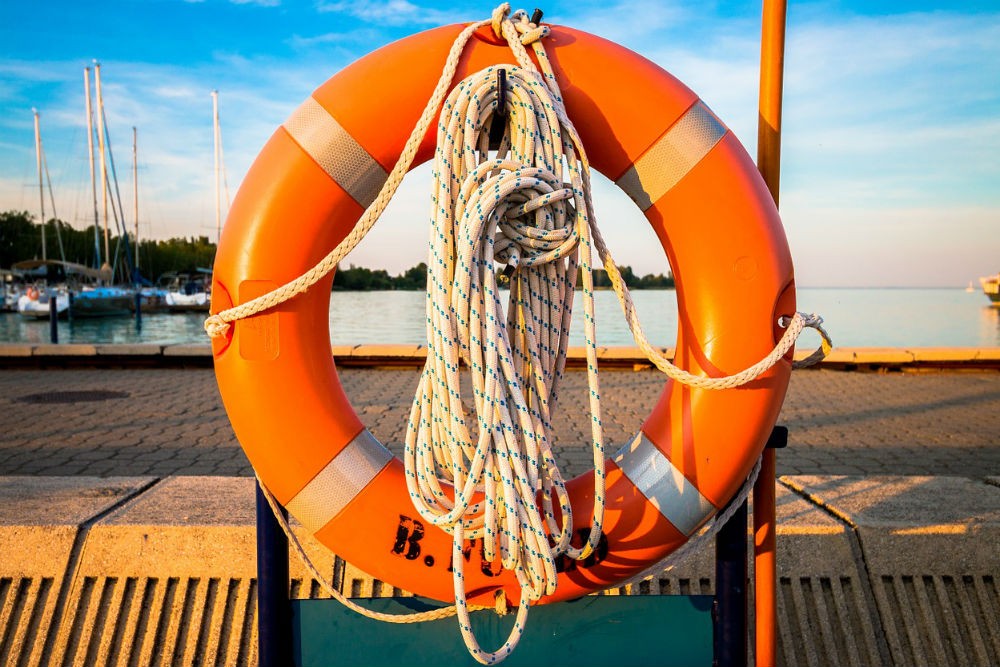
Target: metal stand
294,632
274,619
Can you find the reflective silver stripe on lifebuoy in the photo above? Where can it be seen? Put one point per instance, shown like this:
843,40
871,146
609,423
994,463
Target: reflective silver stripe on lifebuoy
652,473
672,156
340,481
341,157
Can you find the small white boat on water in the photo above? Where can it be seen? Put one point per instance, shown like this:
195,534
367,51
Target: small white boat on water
187,293
991,288
34,303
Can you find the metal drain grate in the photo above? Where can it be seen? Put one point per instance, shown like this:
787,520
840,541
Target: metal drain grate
88,395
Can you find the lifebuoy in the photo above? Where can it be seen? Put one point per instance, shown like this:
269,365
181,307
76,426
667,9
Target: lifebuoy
642,128
32,293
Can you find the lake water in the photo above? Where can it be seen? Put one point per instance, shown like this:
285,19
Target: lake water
854,317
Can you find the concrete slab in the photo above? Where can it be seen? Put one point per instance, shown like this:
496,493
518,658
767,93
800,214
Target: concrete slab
881,355
65,350
811,540
133,350
39,518
188,350
181,527
9,350
953,354
917,524
389,352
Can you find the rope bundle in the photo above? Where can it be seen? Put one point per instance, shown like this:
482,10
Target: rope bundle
515,209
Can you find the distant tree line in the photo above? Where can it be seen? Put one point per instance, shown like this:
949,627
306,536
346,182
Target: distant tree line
632,281
21,239
359,278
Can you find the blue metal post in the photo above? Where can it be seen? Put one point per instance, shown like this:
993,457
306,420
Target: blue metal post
274,621
731,591
53,320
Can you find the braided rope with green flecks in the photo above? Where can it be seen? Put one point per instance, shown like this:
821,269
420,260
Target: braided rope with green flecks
529,207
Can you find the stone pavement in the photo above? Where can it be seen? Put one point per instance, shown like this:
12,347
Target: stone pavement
127,527
159,422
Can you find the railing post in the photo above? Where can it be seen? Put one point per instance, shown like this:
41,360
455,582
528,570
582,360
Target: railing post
53,320
274,623
731,591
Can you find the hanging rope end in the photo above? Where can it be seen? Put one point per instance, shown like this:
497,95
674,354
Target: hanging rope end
500,603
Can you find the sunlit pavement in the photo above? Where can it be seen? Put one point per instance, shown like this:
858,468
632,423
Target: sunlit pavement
171,421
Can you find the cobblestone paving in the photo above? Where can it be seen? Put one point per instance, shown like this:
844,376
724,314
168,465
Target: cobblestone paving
171,422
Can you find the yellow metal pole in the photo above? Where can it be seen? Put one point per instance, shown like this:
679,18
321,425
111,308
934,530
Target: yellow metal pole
772,61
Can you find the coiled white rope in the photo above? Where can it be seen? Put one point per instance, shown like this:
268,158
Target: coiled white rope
528,207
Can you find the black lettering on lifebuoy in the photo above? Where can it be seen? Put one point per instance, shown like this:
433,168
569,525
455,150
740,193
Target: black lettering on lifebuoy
409,532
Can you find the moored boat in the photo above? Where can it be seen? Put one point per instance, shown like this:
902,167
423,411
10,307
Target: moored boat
34,302
991,288
103,301
186,293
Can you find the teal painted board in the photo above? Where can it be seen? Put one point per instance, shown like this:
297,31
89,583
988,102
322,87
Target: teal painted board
623,631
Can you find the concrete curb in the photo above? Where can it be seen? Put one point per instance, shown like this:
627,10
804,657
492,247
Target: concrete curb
374,356
874,570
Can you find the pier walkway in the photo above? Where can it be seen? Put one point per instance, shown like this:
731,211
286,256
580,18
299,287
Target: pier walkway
127,537
169,421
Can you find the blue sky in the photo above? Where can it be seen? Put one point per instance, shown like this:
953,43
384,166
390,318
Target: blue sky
891,149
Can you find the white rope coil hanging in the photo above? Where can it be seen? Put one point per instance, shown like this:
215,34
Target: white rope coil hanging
516,209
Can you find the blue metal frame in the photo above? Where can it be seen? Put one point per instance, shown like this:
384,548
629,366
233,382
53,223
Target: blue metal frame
292,632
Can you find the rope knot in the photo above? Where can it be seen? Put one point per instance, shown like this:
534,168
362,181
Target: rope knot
535,225
530,32
215,326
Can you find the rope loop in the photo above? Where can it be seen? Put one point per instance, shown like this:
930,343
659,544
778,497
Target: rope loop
500,14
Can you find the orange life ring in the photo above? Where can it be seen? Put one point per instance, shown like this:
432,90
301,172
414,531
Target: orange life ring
32,293
642,128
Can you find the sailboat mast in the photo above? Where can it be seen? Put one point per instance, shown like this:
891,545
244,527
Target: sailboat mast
93,178
104,165
41,185
135,192
218,199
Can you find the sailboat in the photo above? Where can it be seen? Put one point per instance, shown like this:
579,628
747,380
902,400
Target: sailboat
187,292
34,301
102,299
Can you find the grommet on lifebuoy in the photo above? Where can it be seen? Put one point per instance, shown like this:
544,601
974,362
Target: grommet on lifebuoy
643,129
